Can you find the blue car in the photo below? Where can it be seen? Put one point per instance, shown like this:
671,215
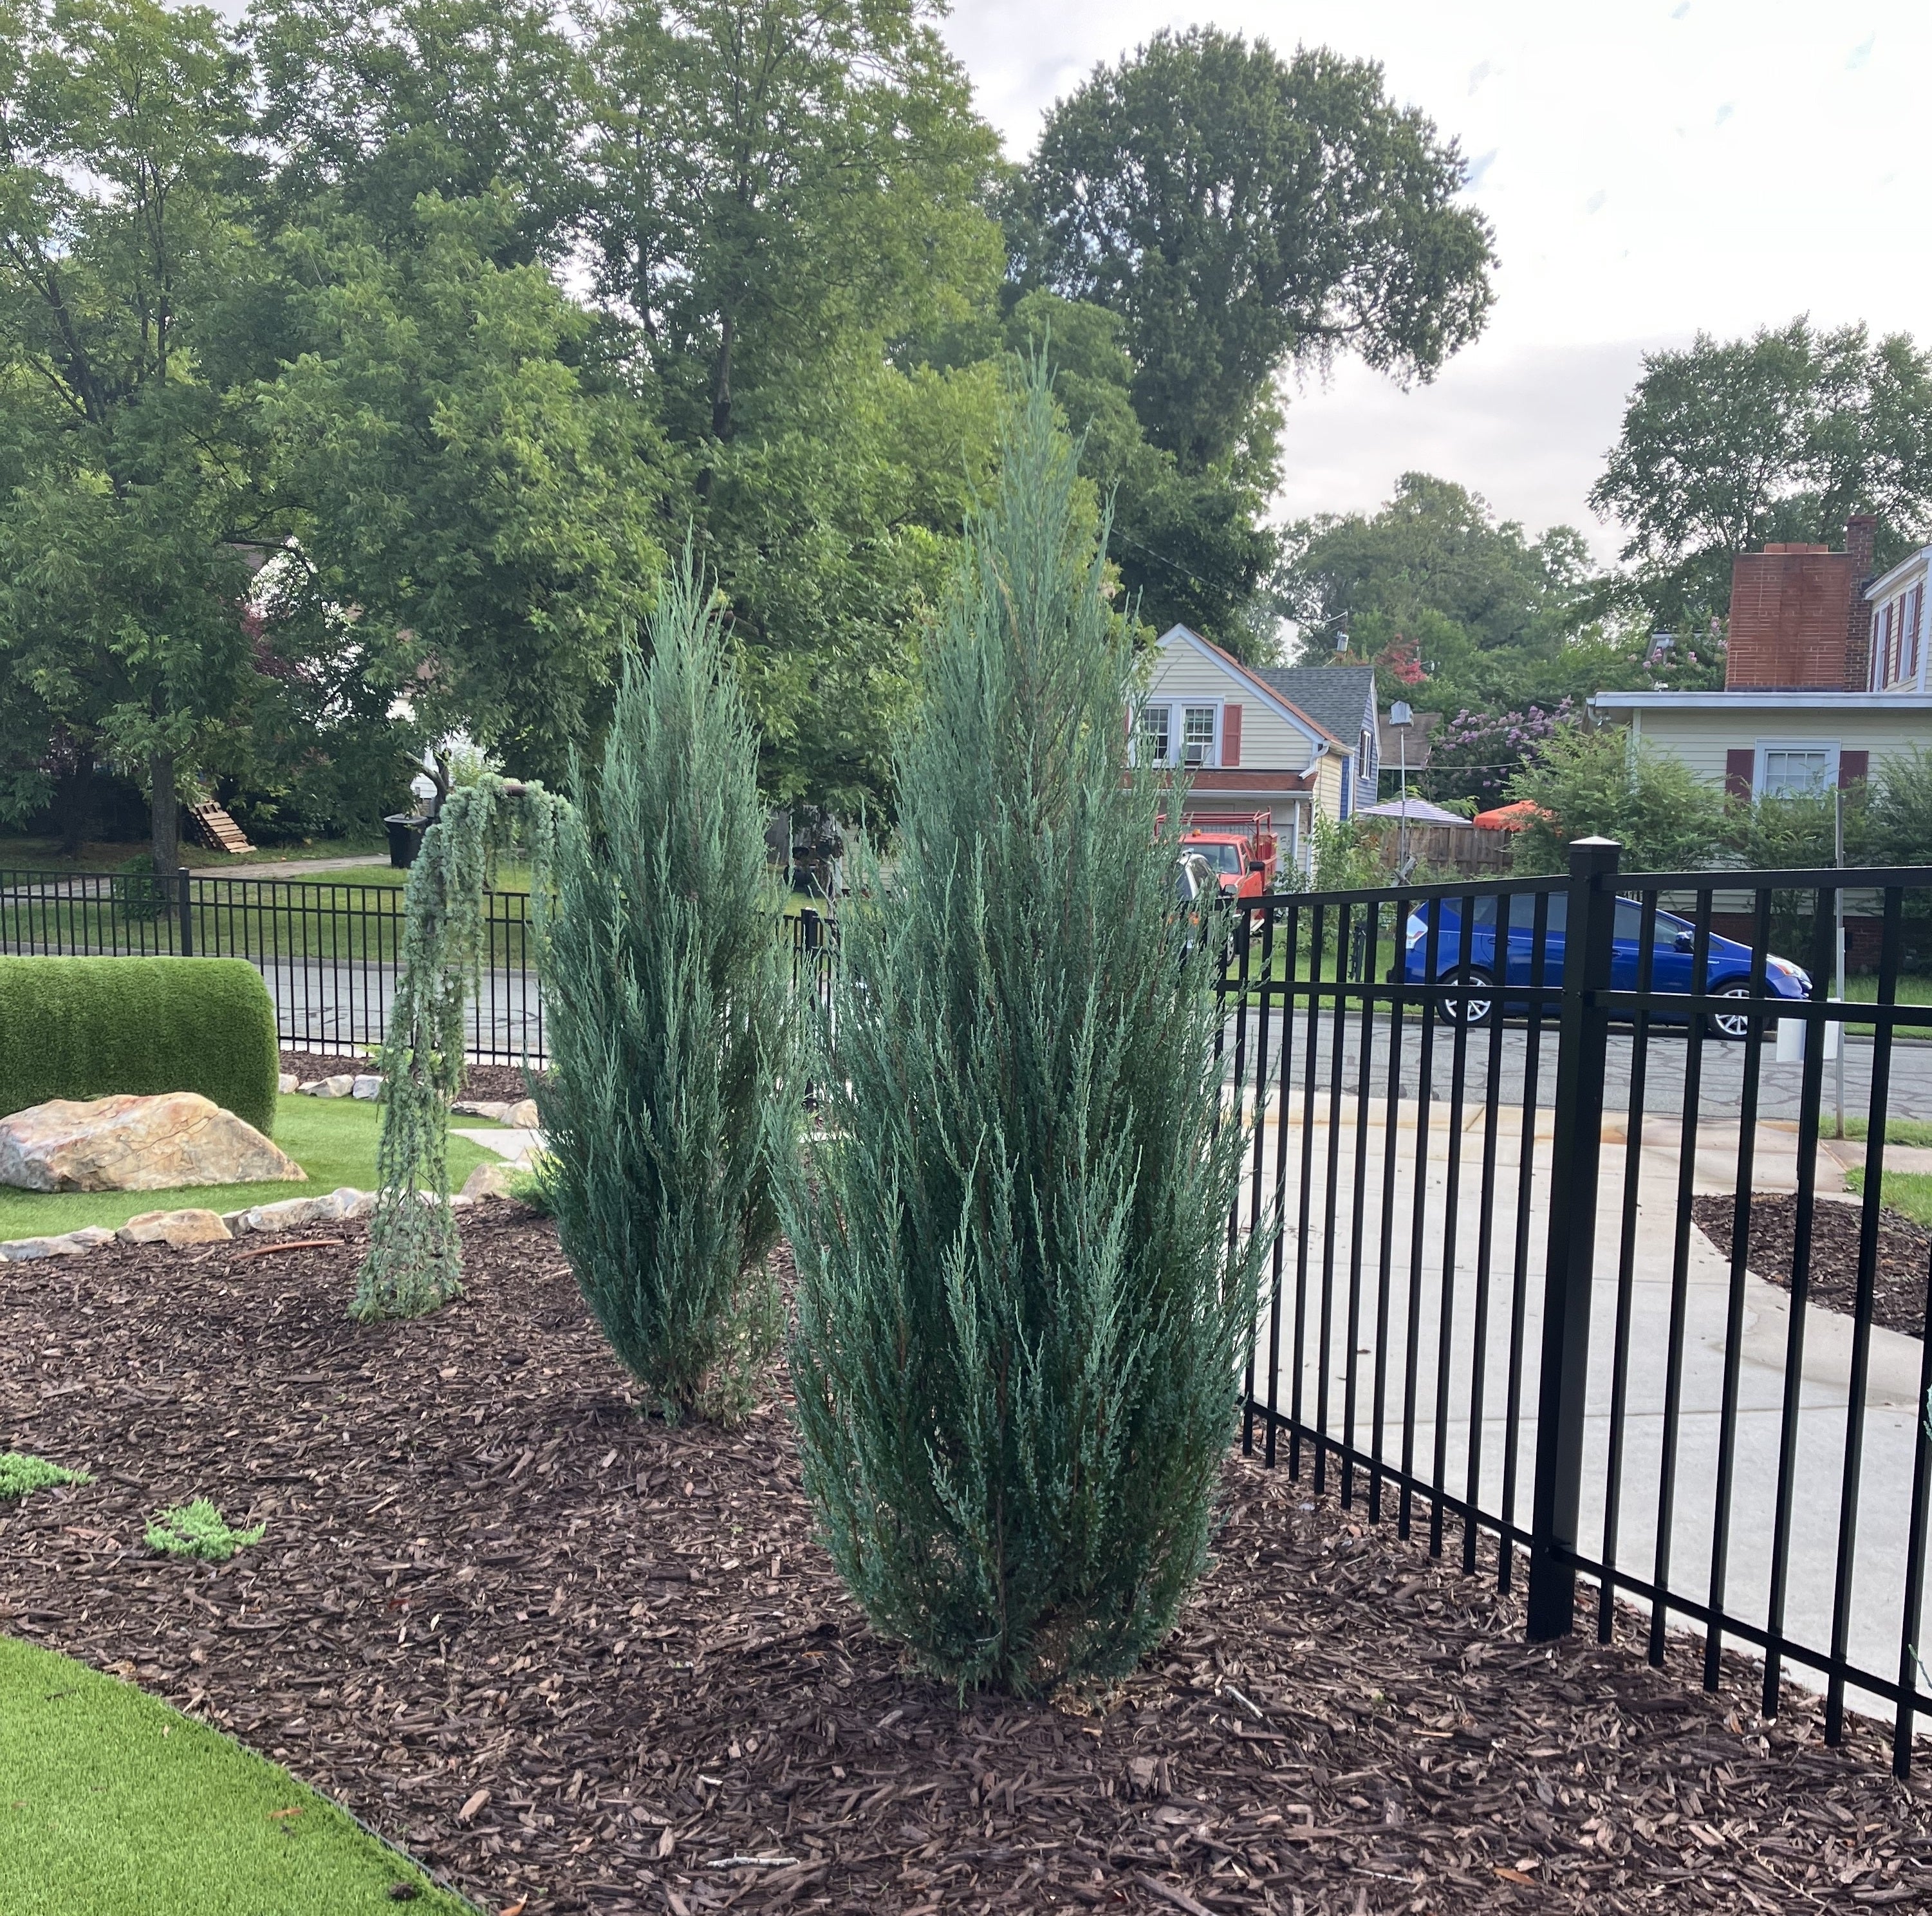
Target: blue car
1727,968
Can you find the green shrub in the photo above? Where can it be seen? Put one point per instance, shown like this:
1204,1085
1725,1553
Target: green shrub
1603,783
666,1001
199,1530
1019,1328
21,1475
530,1183
93,1027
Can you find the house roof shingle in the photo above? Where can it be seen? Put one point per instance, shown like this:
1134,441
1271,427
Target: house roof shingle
1337,698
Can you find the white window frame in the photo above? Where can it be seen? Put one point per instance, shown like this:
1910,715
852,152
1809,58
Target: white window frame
1176,707
1829,747
1137,742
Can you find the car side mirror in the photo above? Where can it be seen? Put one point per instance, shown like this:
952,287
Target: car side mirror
1257,867
1685,941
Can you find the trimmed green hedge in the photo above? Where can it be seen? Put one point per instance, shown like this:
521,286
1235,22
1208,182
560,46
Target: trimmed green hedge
90,1027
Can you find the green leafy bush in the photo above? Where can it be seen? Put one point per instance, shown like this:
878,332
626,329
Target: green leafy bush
1018,1334
667,1001
1602,783
92,1027
199,1530
21,1475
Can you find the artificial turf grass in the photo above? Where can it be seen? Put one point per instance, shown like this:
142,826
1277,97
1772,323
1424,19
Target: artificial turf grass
333,1139
113,1805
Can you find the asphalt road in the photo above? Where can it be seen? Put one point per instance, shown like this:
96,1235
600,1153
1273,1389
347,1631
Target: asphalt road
1720,1091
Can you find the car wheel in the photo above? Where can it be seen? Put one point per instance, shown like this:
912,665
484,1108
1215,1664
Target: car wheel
1475,1010
1732,1026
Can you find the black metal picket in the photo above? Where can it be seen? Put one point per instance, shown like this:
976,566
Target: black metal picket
1653,1477
1484,1116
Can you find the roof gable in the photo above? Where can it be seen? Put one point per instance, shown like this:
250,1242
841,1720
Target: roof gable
1341,698
1254,685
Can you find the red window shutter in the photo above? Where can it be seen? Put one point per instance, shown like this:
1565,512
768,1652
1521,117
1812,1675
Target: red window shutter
1739,767
1854,768
1231,735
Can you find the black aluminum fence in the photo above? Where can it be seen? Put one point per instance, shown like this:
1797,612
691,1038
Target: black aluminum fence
330,954
1505,1127
1492,1120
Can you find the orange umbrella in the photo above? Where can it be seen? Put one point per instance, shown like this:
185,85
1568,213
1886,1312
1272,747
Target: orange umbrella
1510,818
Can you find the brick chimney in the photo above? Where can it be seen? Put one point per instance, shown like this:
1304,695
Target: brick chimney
1860,530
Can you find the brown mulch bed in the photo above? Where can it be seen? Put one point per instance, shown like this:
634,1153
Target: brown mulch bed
563,1652
480,1081
1898,1280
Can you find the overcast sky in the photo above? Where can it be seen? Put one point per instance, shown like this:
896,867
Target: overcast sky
1651,167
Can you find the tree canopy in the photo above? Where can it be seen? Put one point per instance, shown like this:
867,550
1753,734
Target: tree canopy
1726,444
1239,211
126,269
363,360
1434,583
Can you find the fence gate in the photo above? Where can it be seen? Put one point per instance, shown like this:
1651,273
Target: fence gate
1522,1299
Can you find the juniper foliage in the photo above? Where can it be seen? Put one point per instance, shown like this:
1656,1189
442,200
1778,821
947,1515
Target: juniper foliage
1019,1320
414,1261
667,996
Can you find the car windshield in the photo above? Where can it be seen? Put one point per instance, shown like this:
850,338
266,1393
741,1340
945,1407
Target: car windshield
1220,858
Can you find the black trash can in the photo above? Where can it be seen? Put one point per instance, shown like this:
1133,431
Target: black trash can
405,837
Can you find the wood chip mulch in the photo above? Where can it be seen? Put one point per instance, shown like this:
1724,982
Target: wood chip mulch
480,1081
566,1654
1899,1275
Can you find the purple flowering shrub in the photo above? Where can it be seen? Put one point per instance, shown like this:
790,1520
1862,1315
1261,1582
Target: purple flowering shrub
1475,754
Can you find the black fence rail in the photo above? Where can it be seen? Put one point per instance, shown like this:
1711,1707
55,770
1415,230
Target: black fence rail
329,953
1523,1298
1570,1279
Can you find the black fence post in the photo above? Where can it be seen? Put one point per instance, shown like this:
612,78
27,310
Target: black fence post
1588,928
185,909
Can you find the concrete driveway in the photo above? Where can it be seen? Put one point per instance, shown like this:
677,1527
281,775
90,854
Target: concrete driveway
1321,1257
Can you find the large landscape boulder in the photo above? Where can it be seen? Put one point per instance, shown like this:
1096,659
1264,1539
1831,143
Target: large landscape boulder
131,1143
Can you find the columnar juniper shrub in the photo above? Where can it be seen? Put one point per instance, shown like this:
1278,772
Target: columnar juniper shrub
1019,1326
668,1002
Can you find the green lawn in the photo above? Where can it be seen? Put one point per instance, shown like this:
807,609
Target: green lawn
354,916
113,1805
1914,988
20,854
333,1139
1913,1131
1909,1192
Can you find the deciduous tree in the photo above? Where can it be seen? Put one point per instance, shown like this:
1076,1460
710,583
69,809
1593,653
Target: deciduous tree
1728,444
1242,212
127,276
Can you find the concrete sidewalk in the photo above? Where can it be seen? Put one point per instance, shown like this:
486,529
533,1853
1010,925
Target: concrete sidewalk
1322,1261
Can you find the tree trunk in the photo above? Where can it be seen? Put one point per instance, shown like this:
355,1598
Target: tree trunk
164,808
721,387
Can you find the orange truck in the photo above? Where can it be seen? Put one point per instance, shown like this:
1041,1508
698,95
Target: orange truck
1240,847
